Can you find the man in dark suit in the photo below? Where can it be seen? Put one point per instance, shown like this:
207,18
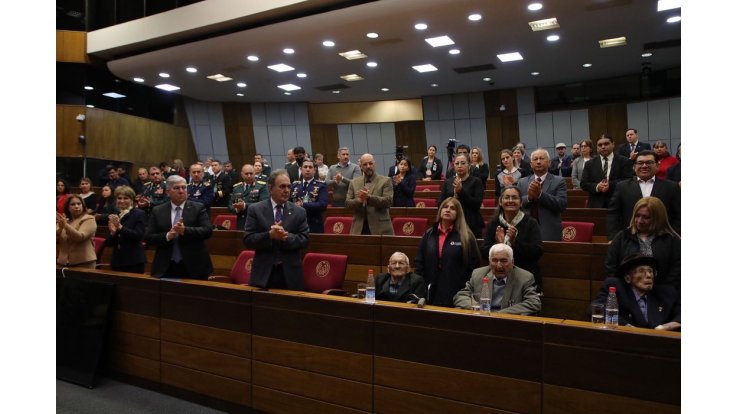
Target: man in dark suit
277,230
544,196
178,230
602,173
632,145
221,185
399,284
310,194
294,169
644,184
561,164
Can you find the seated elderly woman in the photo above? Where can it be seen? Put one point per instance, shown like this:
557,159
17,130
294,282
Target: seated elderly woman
641,303
512,288
399,284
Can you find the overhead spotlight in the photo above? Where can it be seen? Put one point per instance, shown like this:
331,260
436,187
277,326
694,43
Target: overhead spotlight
534,6
289,51
328,43
454,51
253,58
421,26
164,75
475,17
674,19
89,88
587,65
372,35
139,80
192,69
553,38
535,73
647,54
371,64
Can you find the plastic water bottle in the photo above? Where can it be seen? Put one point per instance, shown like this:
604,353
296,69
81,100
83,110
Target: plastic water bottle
370,288
612,309
485,296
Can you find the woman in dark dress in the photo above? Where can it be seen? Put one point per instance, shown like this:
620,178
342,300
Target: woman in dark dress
105,206
89,196
405,183
476,159
126,233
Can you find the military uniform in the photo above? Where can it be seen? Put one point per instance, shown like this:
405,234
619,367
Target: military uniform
313,194
221,187
252,194
202,193
152,196
262,177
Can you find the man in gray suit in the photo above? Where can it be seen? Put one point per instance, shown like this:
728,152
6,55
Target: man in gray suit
277,230
512,288
544,196
370,196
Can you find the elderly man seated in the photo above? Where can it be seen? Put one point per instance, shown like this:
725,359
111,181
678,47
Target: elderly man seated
512,288
399,284
640,302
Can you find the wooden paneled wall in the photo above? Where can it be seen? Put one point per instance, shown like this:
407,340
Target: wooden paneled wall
611,119
241,146
502,127
325,140
412,134
112,135
71,46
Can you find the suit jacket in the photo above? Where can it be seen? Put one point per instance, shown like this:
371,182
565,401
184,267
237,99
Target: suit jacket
269,252
411,283
628,192
293,170
192,245
565,165
435,169
377,207
404,191
621,169
663,304
665,248
528,247
519,297
222,187
552,202
471,198
314,196
624,149
127,249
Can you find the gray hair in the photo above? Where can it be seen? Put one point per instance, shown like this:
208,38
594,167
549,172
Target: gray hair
174,179
272,178
402,254
542,150
341,149
500,247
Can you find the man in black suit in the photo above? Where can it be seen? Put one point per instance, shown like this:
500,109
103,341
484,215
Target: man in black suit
277,230
645,184
222,186
294,169
179,229
632,146
602,173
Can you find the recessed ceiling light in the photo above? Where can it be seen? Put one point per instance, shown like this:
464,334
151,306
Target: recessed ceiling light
486,79
301,75
384,89
240,94
372,35
544,24
674,19
434,85
289,51
335,91
421,26
164,75
352,77
647,54
289,87
510,57
113,95
439,41
192,70
241,85
613,42
89,88
371,64
663,5
219,77
253,58
281,67
535,73
475,17
328,43
424,68
587,65
167,87
287,93
353,54
454,51
553,38
534,6
139,80
90,106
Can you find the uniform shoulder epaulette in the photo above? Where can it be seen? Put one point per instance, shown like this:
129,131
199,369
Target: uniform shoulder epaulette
237,184
261,182
148,183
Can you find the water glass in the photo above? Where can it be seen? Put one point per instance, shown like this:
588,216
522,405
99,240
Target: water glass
598,315
361,291
475,303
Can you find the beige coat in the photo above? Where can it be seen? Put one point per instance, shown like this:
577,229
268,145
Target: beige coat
75,242
377,206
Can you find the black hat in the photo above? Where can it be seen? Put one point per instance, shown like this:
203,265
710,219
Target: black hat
635,260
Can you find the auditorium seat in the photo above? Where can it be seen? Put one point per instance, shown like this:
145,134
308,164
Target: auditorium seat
324,273
409,226
577,231
425,202
99,245
240,273
427,187
489,203
226,222
338,225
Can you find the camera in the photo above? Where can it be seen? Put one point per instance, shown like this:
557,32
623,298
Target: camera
451,146
400,152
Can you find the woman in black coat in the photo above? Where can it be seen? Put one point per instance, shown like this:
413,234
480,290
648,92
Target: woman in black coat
405,183
126,233
431,167
469,191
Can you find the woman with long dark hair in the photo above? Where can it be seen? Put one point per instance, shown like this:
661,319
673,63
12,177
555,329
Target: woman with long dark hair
431,166
404,184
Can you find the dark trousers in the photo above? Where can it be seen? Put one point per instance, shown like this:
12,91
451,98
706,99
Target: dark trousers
179,271
134,268
276,280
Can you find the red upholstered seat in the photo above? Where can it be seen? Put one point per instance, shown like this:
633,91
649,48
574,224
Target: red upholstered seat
577,231
425,202
99,244
489,203
241,271
324,273
338,225
427,187
409,226
226,222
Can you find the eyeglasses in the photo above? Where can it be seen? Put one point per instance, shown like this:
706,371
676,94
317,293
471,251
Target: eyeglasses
642,163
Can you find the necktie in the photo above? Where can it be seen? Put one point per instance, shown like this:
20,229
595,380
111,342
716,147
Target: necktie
176,252
633,147
643,307
535,206
605,167
247,188
279,213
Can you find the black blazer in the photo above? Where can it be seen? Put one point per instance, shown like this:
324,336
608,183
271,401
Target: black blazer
621,169
436,168
663,304
624,149
194,252
628,192
528,247
258,222
411,283
127,249
293,170
471,198
404,191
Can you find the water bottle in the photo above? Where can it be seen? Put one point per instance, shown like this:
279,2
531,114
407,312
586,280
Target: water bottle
612,309
485,296
370,288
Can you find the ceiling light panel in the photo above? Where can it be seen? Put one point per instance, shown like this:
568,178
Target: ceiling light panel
510,57
167,87
353,54
352,77
424,68
113,95
289,87
544,24
674,19
663,5
440,41
281,67
219,77
616,41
